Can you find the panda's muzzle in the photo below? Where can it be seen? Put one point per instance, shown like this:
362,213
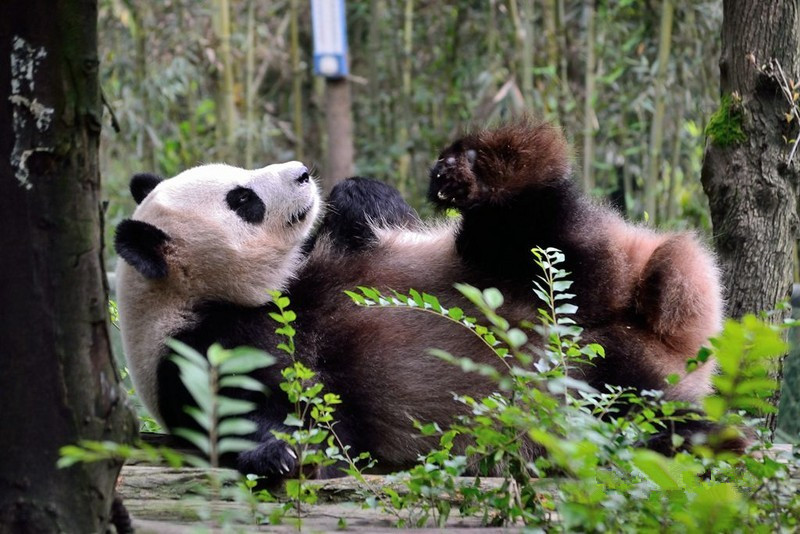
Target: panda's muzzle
299,216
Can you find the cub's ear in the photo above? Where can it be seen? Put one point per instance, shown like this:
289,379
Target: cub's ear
142,245
142,184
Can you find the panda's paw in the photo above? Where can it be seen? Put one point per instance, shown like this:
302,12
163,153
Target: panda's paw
453,180
274,458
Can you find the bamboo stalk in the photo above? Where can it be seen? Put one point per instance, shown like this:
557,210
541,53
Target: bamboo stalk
671,210
520,17
588,103
226,112
550,15
140,75
374,61
404,165
297,88
657,126
250,62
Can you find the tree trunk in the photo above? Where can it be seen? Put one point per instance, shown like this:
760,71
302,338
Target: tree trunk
751,186
340,131
58,382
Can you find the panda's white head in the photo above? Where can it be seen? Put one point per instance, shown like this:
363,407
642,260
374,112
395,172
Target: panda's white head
217,232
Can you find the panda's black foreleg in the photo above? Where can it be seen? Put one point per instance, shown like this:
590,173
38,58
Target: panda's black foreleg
271,458
355,206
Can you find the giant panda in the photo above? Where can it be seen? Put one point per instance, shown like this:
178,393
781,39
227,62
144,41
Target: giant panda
202,249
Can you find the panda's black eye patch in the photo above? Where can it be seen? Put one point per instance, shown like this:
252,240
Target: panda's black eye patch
246,204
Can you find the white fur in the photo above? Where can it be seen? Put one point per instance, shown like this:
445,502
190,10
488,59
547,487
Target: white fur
212,254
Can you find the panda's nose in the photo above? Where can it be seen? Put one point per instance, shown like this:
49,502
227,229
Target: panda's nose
303,178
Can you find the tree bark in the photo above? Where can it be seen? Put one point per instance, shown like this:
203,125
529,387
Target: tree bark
751,186
58,382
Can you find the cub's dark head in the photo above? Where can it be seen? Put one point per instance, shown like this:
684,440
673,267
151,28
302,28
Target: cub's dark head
218,232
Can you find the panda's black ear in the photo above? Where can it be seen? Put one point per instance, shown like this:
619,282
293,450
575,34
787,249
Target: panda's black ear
142,245
142,184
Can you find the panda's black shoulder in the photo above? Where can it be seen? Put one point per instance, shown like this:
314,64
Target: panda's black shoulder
355,206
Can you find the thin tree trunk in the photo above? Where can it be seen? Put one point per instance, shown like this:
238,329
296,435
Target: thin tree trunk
297,80
657,124
340,131
58,381
588,103
750,184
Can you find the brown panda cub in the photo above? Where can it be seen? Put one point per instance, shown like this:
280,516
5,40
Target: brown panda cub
202,249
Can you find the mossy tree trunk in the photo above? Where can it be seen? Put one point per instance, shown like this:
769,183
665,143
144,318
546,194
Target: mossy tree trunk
58,383
751,185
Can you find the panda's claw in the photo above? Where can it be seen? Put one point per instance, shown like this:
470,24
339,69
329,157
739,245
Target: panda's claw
269,458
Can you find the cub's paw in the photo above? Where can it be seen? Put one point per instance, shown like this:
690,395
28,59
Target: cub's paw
274,458
495,165
453,179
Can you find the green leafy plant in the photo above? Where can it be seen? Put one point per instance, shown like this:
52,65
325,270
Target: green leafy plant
595,475
222,419
312,439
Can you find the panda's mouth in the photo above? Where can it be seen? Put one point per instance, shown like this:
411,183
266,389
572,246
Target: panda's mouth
299,216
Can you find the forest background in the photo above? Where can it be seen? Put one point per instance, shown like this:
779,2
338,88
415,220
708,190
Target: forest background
633,83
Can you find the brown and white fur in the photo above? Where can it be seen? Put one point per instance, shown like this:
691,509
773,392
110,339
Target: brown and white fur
652,299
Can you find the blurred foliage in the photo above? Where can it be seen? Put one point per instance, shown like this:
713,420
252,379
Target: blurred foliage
161,70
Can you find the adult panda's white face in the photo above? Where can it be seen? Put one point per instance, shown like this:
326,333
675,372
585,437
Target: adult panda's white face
218,232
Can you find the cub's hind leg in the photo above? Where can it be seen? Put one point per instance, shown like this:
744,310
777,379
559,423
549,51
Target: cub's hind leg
679,294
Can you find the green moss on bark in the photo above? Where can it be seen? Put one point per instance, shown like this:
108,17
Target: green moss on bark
724,128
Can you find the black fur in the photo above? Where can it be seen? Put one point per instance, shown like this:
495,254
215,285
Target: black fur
142,184
233,326
356,203
141,245
247,204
